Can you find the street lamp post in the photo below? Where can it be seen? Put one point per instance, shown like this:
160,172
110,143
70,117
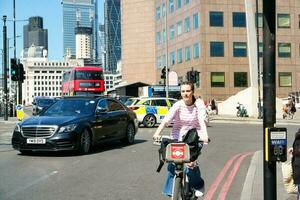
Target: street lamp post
166,51
258,63
5,67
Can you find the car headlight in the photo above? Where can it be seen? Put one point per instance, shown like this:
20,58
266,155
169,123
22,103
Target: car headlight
18,128
68,128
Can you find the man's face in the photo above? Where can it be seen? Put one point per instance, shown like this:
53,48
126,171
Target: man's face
186,92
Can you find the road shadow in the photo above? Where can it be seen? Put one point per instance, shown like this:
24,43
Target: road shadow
101,147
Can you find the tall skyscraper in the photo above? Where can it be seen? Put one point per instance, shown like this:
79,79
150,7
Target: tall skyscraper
102,44
34,34
79,13
112,23
83,42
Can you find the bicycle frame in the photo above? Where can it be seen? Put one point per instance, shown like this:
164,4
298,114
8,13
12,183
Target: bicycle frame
179,154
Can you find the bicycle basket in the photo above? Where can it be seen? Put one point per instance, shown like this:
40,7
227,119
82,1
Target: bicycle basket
178,153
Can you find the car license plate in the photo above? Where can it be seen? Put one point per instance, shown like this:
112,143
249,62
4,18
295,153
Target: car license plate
36,141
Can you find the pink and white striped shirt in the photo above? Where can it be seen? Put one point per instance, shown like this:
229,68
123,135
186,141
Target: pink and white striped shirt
185,117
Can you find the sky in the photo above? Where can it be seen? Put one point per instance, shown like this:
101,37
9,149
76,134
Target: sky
49,10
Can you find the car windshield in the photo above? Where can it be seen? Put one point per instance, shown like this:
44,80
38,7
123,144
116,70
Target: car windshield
45,102
71,107
130,102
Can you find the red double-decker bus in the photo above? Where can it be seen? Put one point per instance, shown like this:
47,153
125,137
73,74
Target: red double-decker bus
83,81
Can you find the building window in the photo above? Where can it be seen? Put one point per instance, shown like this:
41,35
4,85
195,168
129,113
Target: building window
284,50
260,49
164,35
217,49
158,40
186,2
195,20
187,25
172,58
238,19
259,17
179,4
216,19
172,32
157,13
158,62
171,6
283,20
179,28
240,79
163,10
285,79
187,53
179,56
217,79
196,51
239,49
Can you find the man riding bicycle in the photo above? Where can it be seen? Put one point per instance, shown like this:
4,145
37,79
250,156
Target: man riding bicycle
185,115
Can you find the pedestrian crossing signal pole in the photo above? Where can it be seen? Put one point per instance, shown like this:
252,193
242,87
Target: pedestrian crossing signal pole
269,93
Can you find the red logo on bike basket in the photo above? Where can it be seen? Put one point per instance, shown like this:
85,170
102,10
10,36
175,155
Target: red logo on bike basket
177,151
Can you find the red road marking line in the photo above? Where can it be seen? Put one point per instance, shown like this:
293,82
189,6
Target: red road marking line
231,176
217,181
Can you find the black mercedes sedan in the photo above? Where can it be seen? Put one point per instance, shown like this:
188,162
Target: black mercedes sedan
76,123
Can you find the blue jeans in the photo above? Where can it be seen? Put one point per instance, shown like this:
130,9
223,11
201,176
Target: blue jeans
194,176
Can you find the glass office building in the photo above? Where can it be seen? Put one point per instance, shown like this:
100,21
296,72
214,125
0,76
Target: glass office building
35,34
112,23
79,13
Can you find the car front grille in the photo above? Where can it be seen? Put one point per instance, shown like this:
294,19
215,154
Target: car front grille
41,131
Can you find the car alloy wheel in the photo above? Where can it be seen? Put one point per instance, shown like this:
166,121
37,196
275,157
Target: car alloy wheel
85,142
130,134
149,121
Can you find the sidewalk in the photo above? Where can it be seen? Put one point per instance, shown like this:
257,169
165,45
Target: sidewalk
10,120
252,120
253,185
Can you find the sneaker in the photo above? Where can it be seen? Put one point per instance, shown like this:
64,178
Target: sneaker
198,193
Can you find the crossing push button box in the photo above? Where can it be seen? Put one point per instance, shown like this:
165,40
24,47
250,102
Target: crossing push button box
275,144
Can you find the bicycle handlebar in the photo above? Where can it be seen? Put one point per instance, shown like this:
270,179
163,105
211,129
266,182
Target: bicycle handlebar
158,142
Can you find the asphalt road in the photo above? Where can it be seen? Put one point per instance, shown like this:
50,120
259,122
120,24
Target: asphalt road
117,172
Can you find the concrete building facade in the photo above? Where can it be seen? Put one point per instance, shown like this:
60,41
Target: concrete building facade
211,38
43,77
83,42
138,41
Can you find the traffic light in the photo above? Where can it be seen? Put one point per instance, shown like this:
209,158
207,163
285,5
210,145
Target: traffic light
22,72
197,78
14,73
163,72
193,76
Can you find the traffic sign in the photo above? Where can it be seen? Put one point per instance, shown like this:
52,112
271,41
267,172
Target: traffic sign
20,112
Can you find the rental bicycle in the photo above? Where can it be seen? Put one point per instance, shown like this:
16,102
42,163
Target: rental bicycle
179,154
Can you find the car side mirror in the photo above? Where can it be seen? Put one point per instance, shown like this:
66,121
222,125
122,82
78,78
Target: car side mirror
100,110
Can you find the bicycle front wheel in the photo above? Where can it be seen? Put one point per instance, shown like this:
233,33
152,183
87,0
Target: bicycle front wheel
177,187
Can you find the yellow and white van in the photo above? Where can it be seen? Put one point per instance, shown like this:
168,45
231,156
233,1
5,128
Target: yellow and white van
152,110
